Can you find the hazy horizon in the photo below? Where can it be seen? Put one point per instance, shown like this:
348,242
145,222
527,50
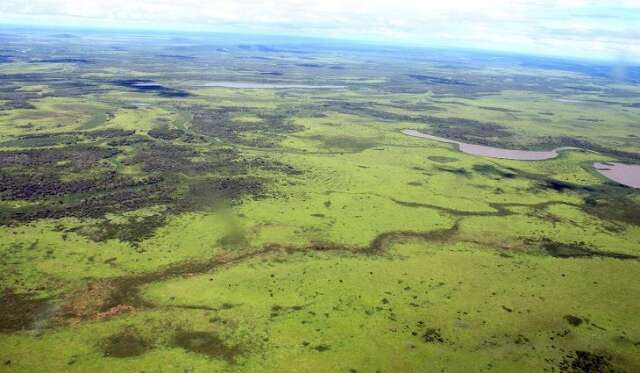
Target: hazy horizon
583,29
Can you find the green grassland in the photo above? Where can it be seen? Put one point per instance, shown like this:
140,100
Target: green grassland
151,223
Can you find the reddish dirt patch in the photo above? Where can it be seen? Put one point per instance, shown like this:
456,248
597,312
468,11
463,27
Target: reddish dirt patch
113,311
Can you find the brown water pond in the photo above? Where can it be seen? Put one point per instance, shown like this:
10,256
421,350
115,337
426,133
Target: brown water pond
490,151
624,174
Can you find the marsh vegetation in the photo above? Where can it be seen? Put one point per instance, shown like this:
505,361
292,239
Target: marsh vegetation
269,214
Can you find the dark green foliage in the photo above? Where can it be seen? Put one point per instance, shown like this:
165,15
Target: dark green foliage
135,230
127,343
586,362
573,320
469,131
218,123
441,159
432,335
348,144
577,250
492,171
206,343
166,133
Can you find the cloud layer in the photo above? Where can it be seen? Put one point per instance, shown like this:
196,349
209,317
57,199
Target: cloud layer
581,28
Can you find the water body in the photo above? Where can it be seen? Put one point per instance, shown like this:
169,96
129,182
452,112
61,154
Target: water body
621,173
146,84
569,101
490,151
625,174
254,85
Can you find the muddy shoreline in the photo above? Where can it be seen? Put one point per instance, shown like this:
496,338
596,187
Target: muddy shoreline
625,174
493,152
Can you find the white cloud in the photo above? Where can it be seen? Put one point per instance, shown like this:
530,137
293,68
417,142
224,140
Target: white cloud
581,27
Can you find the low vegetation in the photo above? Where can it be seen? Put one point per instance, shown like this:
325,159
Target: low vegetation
149,222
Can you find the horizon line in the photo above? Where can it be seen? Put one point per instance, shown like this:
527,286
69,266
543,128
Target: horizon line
149,29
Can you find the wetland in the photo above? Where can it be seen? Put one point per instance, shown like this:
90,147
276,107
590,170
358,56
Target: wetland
263,206
628,175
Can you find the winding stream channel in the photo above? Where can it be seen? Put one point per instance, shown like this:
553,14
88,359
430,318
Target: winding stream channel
621,173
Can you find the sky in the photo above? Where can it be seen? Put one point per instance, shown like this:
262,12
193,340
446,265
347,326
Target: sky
593,29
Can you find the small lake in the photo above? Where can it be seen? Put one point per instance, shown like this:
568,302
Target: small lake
146,84
570,101
490,151
255,85
626,174
621,173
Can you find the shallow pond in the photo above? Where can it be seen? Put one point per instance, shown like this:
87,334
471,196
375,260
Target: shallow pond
255,85
624,174
570,101
146,84
490,151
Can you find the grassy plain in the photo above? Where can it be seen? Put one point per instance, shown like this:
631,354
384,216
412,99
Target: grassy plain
150,223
